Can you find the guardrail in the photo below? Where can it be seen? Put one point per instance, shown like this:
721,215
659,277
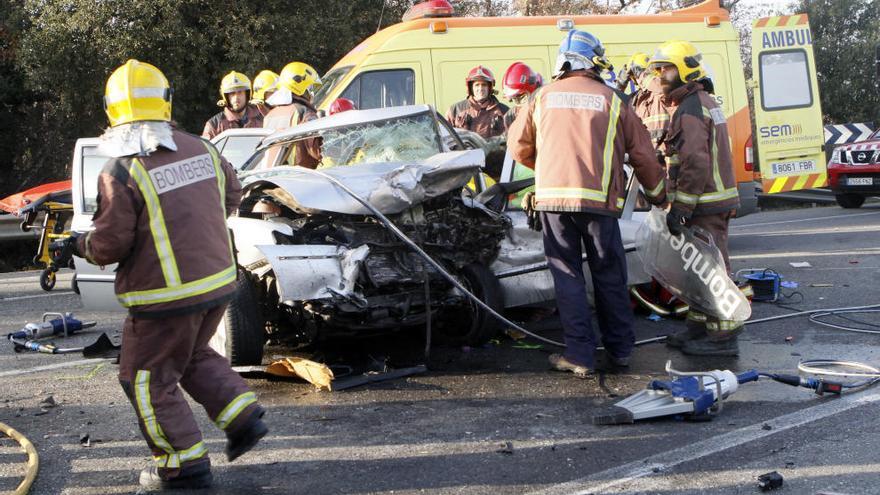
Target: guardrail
10,229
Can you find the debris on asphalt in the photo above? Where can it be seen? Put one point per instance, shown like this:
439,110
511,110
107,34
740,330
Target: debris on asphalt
853,262
318,374
788,284
789,338
85,441
654,317
766,427
821,285
48,402
800,264
770,481
514,334
506,448
528,346
377,376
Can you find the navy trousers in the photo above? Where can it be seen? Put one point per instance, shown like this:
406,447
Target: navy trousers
564,234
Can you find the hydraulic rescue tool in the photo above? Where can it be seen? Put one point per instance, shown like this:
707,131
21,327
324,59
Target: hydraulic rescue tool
64,324
696,396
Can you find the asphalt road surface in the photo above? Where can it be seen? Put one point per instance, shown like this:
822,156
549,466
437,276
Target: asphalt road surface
494,420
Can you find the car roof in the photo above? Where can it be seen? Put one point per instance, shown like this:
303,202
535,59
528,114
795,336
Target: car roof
249,131
346,119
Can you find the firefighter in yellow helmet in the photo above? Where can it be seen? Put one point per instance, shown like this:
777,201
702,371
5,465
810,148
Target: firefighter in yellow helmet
265,85
237,113
291,105
702,184
162,193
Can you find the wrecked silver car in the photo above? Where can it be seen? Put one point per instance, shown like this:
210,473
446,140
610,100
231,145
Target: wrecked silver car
317,263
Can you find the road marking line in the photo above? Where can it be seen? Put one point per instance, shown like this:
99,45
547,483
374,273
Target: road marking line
664,461
807,254
781,222
56,366
35,296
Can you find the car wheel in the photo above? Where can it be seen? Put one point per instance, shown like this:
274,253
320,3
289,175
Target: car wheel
473,325
47,279
850,200
242,331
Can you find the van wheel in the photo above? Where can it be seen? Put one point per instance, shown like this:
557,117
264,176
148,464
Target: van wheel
472,325
243,326
849,200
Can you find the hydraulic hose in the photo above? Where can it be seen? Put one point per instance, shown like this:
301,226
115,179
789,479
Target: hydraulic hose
33,462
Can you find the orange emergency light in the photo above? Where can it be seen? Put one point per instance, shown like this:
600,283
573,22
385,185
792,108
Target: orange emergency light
429,8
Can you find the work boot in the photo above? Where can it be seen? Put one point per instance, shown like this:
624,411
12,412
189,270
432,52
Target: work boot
559,363
691,332
192,477
706,347
247,436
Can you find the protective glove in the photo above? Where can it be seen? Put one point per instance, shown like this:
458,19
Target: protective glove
529,205
675,220
63,250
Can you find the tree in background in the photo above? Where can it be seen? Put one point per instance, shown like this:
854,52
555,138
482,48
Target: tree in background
845,34
56,55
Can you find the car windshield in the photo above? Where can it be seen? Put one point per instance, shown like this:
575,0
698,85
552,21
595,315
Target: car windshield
399,139
330,80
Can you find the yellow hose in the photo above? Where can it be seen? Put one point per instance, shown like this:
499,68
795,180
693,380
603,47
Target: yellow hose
33,462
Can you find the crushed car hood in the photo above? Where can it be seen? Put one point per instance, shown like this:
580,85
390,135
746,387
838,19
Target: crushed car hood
391,187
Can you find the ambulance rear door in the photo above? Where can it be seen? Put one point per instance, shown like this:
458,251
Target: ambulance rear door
788,115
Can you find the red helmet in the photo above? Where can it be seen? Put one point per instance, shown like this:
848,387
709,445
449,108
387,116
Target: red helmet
480,73
341,105
520,80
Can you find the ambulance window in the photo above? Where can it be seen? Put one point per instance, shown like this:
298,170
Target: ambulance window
383,88
785,80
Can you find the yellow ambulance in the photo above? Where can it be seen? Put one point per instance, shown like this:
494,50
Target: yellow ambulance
425,59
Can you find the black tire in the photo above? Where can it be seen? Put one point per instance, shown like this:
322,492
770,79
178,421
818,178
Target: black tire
245,328
47,279
474,326
849,200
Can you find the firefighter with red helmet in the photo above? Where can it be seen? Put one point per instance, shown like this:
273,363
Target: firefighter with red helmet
163,199
340,105
480,112
520,83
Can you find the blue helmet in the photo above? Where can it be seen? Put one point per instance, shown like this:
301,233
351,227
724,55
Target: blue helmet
580,50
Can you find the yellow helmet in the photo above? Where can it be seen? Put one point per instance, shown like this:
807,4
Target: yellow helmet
684,56
298,77
265,81
639,60
137,91
232,82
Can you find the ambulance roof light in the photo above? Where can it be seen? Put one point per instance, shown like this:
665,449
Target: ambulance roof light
429,8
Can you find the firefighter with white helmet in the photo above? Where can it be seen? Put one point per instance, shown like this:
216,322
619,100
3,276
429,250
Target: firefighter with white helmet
237,113
163,199
480,112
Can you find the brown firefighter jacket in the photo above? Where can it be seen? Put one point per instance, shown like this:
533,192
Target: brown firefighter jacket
252,117
650,106
701,176
574,133
162,217
306,153
485,118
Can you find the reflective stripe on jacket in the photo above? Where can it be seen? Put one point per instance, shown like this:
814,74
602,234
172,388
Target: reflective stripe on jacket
575,133
162,217
701,175
224,120
305,153
651,108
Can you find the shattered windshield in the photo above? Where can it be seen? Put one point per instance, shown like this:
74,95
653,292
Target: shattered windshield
410,138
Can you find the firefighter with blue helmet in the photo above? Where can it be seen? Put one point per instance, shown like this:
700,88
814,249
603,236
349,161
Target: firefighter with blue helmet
585,128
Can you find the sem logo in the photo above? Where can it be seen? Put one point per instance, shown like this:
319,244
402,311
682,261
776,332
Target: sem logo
780,130
782,39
